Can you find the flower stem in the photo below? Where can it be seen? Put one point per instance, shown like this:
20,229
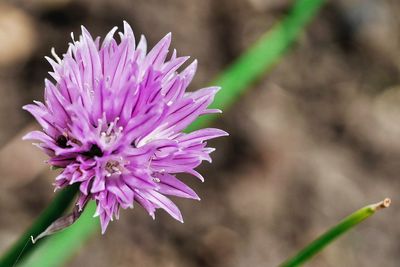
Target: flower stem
56,208
342,227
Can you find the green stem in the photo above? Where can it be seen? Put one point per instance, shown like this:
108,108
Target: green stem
56,208
324,240
260,57
235,80
57,249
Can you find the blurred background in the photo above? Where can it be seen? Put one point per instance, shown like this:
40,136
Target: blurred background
313,140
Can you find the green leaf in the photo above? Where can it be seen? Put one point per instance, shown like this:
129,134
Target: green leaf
52,251
328,237
235,80
259,58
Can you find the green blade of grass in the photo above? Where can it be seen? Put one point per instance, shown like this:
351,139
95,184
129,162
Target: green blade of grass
260,57
57,249
333,233
235,80
56,208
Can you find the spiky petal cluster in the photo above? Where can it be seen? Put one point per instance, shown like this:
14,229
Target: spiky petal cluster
113,120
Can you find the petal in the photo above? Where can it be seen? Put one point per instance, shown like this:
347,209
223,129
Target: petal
199,136
159,52
164,203
170,185
121,191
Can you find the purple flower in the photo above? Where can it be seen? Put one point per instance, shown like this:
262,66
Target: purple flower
113,120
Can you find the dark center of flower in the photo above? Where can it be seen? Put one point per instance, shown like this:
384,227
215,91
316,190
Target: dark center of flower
93,151
62,141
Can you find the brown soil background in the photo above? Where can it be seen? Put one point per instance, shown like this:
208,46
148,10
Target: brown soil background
313,140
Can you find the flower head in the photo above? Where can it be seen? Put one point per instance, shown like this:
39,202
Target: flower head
113,121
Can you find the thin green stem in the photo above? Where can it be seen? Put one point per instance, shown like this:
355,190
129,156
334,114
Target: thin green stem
235,80
260,57
342,227
56,208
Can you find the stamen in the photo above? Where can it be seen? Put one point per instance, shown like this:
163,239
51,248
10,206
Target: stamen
112,132
113,167
110,128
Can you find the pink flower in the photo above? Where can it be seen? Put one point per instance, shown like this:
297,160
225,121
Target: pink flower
113,120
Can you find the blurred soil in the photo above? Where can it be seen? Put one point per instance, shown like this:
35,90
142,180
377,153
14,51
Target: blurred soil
315,139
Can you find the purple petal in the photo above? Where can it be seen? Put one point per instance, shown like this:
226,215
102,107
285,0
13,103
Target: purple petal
170,185
164,203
